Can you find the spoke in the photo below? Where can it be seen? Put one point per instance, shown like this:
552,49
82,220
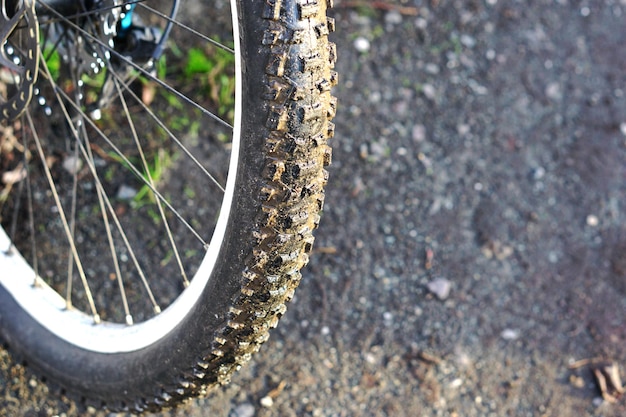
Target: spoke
31,224
88,156
75,103
103,209
18,203
162,125
60,93
90,13
70,261
151,181
120,229
116,263
54,47
141,69
79,265
190,29
126,84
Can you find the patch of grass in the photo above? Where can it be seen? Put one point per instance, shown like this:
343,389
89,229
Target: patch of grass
52,59
160,162
211,70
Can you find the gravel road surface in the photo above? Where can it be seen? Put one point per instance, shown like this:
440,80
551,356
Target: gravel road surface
472,254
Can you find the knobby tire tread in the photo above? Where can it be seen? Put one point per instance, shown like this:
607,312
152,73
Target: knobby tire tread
299,77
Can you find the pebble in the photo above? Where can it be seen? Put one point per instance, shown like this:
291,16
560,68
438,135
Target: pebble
510,334
72,164
468,41
418,133
243,410
538,173
553,91
13,177
387,317
393,17
421,23
622,128
440,287
455,383
592,220
429,91
361,44
126,192
267,401
431,68
463,129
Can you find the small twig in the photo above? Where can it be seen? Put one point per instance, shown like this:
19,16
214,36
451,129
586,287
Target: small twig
429,358
380,5
101,152
328,250
583,362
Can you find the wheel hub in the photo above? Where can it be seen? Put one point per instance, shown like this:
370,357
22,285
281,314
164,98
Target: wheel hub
19,57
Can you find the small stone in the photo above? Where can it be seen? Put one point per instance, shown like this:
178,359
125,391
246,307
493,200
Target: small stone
393,17
431,68
463,129
418,133
538,173
267,401
421,23
510,334
387,317
440,287
455,383
576,381
14,176
468,41
592,220
72,164
553,257
371,358
429,91
126,192
243,410
361,44
553,91
622,128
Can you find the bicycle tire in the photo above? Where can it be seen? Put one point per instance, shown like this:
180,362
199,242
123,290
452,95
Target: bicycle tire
286,68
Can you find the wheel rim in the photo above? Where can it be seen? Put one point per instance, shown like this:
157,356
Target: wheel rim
51,310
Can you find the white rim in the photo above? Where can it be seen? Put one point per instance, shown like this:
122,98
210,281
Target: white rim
47,307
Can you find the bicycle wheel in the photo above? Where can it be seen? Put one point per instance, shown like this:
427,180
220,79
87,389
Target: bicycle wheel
155,213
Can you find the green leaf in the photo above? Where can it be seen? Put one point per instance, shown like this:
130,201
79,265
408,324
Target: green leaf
198,62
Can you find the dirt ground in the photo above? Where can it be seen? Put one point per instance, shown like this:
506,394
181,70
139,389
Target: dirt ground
472,254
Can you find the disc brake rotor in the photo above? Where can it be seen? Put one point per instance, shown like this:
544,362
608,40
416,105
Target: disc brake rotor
19,58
